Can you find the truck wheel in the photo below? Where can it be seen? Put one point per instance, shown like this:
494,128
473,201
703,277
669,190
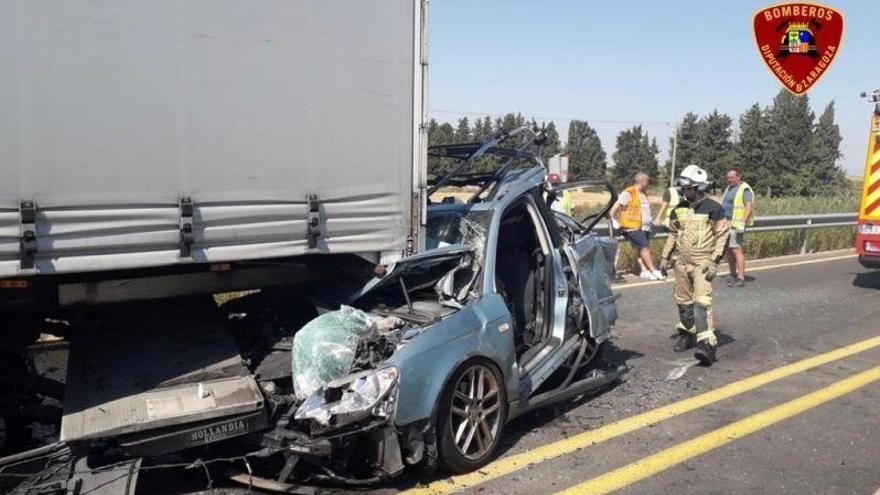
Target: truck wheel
471,417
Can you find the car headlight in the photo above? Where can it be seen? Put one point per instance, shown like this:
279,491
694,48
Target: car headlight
352,398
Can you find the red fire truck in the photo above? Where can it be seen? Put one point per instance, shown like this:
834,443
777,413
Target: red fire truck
868,236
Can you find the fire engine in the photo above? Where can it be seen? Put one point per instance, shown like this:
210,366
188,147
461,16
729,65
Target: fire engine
868,236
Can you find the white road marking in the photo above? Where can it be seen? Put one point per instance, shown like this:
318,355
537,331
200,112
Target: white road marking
750,270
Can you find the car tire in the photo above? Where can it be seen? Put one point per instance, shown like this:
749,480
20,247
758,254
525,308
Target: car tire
471,416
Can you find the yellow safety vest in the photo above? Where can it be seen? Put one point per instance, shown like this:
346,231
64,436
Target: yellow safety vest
566,202
739,206
674,200
631,217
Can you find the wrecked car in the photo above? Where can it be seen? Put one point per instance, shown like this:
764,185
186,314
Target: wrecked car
507,309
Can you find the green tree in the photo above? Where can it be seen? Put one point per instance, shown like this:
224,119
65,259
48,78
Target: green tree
439,134
554,145
752,150
483,129
463,131
715,152
790,133
586,158
635,152
822,175
686,150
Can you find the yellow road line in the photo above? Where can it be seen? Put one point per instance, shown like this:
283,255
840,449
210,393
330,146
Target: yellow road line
663,460
750,270
513,463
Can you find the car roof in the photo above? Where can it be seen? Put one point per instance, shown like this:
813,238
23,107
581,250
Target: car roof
514,182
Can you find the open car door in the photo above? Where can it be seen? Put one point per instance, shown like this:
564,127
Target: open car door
590,255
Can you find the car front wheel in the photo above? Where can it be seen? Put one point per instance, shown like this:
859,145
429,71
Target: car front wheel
471,417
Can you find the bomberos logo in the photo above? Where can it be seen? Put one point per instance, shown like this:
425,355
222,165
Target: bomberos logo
798,42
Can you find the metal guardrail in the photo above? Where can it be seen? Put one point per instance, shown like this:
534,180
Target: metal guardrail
780,223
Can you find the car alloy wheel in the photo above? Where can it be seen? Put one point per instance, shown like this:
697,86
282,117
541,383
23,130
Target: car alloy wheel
475,418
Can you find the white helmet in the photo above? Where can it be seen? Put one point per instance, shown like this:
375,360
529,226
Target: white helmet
692,176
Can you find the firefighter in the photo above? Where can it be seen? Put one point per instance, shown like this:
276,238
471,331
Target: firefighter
698,234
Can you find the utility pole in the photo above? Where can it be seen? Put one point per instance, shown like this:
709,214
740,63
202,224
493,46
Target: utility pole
674,149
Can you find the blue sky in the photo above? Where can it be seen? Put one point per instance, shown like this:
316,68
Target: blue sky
615,63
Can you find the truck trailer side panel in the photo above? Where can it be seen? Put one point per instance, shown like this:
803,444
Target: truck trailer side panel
118,113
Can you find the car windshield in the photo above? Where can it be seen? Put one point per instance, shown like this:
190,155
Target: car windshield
453,227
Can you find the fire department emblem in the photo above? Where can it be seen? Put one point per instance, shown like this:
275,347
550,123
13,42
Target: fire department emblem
798,42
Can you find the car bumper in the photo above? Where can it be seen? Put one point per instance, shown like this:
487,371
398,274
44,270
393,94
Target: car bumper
872,262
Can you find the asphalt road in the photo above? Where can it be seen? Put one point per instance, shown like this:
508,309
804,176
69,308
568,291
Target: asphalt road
810,428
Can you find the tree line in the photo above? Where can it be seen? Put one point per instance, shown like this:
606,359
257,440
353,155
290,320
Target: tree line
782,149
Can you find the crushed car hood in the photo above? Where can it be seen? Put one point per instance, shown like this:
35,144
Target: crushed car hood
419,264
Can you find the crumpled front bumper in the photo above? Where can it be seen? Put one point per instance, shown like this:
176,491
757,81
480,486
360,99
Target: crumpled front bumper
357,455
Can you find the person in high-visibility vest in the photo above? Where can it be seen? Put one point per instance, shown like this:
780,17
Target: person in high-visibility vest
563,201
669,202
739,208
632,214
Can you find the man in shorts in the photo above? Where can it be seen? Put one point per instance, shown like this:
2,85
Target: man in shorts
632,215
739,208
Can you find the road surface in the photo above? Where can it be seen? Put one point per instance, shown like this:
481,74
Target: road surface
753,423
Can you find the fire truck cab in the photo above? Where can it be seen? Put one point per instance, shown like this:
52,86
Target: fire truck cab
868,236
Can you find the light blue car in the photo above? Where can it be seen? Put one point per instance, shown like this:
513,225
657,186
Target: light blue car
507,310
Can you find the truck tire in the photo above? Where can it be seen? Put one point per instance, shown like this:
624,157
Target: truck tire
471,417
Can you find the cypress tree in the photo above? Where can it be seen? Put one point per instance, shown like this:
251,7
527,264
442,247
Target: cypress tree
463,131
714,153
824,175
752,149
635,152
586,158
790,133
686,149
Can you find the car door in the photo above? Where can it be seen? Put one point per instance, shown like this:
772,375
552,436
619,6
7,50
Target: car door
590,254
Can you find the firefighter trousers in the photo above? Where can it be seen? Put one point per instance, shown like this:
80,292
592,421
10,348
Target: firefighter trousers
694,293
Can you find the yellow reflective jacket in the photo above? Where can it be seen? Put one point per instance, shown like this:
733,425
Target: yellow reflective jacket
739,206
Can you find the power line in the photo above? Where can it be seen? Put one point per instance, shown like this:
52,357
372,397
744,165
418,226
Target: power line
557,119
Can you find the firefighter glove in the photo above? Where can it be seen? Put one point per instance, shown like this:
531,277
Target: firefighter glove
664,266
710,268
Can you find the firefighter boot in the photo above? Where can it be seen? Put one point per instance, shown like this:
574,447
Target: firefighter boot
685,340
706,340
686,329
705,353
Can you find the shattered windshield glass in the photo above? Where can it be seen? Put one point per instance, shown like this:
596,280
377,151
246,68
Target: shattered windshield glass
469,229
448,228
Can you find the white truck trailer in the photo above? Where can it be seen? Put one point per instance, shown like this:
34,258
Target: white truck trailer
163,134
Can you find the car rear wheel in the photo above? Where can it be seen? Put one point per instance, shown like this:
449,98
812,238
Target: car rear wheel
471,417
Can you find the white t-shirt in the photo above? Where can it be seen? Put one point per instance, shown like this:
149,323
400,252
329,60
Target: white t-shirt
625,198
